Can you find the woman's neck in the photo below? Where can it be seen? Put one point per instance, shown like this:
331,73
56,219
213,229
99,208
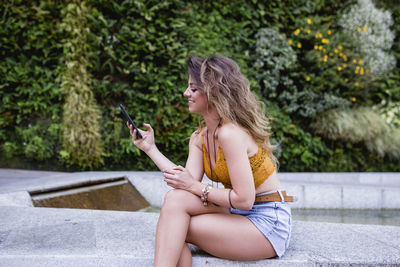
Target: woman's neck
212,123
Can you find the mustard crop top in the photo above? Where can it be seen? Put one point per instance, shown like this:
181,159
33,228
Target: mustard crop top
261,166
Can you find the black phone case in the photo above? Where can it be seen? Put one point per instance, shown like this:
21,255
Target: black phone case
138,135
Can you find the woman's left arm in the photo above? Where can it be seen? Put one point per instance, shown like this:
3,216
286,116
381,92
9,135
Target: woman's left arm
234,142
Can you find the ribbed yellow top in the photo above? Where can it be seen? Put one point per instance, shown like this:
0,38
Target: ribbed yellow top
261,166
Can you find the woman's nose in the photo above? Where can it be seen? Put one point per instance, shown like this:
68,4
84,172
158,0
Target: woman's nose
186,93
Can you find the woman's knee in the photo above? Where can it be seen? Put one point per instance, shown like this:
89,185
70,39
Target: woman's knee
177,199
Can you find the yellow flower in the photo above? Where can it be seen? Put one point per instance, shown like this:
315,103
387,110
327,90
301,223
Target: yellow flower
331,54
320,47
354,61
360,62
357,70
308,31
299,45
340,47
336,51
318,35
324,50
340,54
309,21
362,71
365,28
344,65
344,57
325,58
324,41
339,68
316,47
359,29
290,42
308,78
354,99
296,32
356,84
329,32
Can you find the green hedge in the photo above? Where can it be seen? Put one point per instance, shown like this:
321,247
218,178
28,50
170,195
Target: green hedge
135,54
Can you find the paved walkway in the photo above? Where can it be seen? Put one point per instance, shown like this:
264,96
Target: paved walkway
71,237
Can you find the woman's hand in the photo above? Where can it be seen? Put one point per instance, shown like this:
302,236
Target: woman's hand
179,178
145,143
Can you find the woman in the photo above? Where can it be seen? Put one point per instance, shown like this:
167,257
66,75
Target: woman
239,221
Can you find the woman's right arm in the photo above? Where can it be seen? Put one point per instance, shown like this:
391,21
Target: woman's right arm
147,145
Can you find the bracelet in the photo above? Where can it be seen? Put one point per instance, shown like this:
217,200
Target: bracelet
204,194
229,197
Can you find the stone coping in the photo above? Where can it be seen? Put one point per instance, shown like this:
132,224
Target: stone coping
71,237
313,190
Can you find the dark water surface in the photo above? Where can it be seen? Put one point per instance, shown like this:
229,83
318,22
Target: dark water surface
116,194
381,217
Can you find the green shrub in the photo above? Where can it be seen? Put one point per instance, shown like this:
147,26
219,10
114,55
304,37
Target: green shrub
135,53
81,114
274,58
29,85
360,125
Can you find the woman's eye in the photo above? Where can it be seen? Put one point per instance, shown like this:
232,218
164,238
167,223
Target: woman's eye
193,89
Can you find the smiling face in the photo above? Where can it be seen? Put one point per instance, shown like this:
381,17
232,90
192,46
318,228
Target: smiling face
197,99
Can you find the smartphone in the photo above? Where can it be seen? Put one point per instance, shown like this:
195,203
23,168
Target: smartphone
138,135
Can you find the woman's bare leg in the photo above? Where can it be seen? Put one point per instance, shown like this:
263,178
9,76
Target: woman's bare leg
185,259
173,223
229,236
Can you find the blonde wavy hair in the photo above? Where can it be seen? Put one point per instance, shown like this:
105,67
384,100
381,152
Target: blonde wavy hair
228,90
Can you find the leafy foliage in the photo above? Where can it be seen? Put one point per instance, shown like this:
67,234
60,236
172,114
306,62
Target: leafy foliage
370,26
30,48
274,58
134,52
81,115
349,125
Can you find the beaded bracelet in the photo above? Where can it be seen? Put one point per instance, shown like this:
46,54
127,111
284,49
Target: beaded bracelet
204,195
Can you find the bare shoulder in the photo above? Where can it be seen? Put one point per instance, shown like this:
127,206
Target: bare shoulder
230,132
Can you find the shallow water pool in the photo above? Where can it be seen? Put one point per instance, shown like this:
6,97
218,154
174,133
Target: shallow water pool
381,217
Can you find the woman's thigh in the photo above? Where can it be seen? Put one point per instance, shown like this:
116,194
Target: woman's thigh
229,236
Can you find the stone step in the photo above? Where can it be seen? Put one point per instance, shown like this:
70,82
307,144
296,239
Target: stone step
71,237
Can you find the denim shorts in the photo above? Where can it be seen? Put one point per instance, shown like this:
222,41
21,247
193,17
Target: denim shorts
273,219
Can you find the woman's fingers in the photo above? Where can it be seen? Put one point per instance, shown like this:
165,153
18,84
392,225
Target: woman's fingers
148,127
169,174
134,135
168,178
178,168
131,130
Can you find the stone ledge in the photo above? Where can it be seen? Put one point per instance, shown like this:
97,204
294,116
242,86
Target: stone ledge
313,190
70,237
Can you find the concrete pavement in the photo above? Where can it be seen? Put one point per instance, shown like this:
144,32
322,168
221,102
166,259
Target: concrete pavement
70,237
